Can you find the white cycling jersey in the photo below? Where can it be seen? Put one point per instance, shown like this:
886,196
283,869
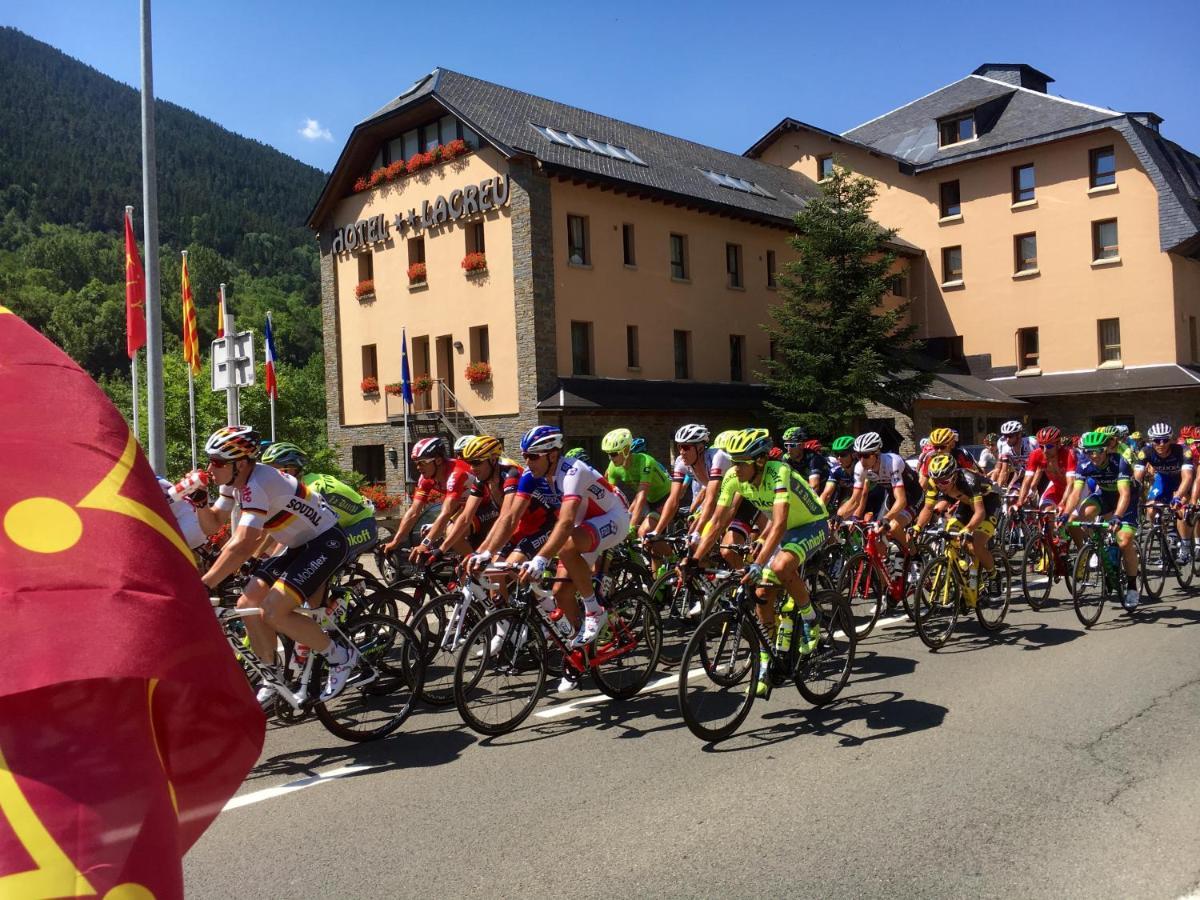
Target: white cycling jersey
716,464
1015,455
283,507
185,517
892,468
574,478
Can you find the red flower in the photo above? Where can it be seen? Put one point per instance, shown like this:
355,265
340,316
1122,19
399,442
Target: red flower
454,148
417,272
381,499
395,170
370,385
415,163
360,185
479,372
377,178
395,388
364,288
474,262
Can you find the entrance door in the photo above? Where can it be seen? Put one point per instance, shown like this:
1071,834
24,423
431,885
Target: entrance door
445,365
420,360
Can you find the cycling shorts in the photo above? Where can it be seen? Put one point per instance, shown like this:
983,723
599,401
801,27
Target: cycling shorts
1108,505
987,527
303,570
605,531
964,512
880,499
654,510
802,542
362,536
1052,495
529,545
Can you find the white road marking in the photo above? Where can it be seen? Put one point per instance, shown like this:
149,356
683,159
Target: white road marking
293,786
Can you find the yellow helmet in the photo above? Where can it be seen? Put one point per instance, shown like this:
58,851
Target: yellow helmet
618,440
748,444
482,448
942,467
722,440
941,437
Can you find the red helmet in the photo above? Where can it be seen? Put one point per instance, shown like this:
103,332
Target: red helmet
1187,432
812,444
775,453
428,448
1049,435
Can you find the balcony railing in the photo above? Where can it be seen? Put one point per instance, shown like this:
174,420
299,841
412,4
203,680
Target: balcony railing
439,401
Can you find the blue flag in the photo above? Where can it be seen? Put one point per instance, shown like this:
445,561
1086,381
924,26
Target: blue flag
405,381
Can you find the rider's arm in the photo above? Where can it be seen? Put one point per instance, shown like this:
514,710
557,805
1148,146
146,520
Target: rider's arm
210,520
1026,484
774,532
1124,494
562,528
723,515
239,549
1185,482
899,503
980,512
406,524
639,504
462,524
855,503
504,526
670,506
450,506
926,512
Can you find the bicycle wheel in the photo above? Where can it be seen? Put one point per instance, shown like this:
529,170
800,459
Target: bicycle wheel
1089,584
936,602
383,687
1153,566
821,675
634,632
501,671
442,630
1037,571
1183,570
994,595
718,675
674,596
865,591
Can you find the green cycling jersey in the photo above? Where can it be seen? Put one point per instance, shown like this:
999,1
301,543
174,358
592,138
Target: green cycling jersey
641,467
351,506
779,483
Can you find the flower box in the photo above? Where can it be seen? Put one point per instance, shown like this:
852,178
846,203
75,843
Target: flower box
370,385
382,500
479,372
402,168
474,262
422,385
417,273
365,289
395,388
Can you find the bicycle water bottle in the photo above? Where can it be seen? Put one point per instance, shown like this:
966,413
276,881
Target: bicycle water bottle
783,635
1110,556
562,624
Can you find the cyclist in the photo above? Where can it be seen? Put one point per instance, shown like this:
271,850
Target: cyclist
987,456
460,444
840,485
811,464
443,484
592,517
944,440
799,525
1052,460
189,502
277,506
640,477
494,482
578,453
1104,485
356,514
977,508
1173,466
1014,450
875,474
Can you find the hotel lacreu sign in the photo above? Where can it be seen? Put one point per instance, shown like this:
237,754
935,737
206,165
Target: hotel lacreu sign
474,199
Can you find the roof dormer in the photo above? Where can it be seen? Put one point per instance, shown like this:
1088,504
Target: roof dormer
1018,74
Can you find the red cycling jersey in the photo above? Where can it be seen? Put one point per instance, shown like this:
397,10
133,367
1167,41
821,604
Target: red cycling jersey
1057,466
456,480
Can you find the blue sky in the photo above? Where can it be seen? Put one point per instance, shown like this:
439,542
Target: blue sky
297,75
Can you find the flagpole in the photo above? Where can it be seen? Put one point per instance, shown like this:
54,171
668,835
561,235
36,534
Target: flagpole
272,393
191,382
155,407
137,436
232,410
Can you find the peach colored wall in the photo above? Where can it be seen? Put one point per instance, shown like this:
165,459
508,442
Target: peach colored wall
612,296
453,303
1069,295
1187,303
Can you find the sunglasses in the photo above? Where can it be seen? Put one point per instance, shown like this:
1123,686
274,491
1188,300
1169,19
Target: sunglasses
529,456
1099,452
1162,440
683,447
218,463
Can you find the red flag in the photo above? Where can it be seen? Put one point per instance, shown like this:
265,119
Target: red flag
191,337
135,293
125,722
220,317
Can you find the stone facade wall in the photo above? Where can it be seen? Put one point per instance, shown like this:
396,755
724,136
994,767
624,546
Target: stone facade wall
1075,415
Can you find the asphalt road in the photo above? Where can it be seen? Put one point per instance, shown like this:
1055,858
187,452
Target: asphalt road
1045,761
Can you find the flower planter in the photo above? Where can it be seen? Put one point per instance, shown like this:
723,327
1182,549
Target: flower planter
365,290
418,162
369,387
478,373
417,274
474,262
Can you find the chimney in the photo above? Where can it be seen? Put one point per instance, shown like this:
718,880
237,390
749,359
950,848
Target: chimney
1017,74
1149,119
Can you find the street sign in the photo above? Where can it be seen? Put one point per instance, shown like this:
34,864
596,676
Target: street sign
233,361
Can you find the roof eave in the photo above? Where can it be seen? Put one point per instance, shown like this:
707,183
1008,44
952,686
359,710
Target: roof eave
790,124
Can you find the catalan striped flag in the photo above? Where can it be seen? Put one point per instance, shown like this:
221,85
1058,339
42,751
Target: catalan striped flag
272,384
220,317
191,337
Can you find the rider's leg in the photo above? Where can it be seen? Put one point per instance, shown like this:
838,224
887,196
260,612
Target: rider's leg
279,612
262,636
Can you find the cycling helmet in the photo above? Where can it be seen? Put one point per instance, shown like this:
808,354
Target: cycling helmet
722,440
749,444
638,445
942,466
775,453
232,442
1012,426
991,437
941,437
692,434
1048,435
577,453
870,442
812,444
1121,431
795,435
285,455
482,448
843,445
1159,430
541,438
462,442
619,440
428,448
1094,440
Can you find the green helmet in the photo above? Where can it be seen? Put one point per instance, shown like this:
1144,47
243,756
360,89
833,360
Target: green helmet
577,453
844,444
619,440
795,435
285,454
1094,440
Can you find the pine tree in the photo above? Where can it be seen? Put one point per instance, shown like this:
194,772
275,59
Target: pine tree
836,345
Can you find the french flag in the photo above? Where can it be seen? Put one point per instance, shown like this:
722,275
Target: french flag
272,385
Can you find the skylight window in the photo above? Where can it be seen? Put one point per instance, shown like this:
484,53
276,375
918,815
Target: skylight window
735,184
589,145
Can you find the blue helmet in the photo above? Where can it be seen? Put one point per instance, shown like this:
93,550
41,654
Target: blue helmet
541,438
638,445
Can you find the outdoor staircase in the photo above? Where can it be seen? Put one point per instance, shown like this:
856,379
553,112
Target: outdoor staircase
440,407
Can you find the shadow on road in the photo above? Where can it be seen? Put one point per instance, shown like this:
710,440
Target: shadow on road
871,665
644,714
1028,637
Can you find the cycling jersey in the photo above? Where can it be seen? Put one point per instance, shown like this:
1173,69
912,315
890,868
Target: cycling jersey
493,491
971,486
844,481
715,464
638,469
456,478
1173,464
893,471
987,460
810,464
283,507
779,483
1058,464
961,456
351,506
185,517
1015,454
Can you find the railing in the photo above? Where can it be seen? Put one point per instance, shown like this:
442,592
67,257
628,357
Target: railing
439,401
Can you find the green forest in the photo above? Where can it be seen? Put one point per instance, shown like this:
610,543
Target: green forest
70,161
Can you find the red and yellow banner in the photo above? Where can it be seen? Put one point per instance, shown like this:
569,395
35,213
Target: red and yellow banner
135,294
191,337
125,722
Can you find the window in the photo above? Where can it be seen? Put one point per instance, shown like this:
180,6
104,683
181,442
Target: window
367,461
447,129
416,250
683,362
475,241
733,264
1102,167
952,268
588,145
632,357
737,355
429,137
581,348
1023,183
577,241
1025,252
1104,240
1192,336
949,202
771,270
1110,340
1027,348
679,260
481,350
720,179
366,266
956,130
824,167
897,283
627,246
370,362
412,144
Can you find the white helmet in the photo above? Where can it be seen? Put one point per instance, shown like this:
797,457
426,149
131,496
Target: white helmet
462,442
1122,430
1159,430
870,442
1012,426
692,434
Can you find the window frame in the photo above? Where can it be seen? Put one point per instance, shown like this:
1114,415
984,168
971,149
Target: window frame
587,330
1099,248
1023,355
948,276
821,161
1019,259
629,245
772,271
686,346
366,266
682,263
737,358
585,238
1095,178
481,345
1104,347
956,123
370,361
633,350
1017,190
734,271
943,206
419,244
475,239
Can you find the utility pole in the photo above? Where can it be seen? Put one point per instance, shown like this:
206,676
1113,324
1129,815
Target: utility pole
155,408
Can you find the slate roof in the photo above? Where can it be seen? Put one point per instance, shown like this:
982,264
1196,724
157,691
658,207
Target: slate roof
1142,378
963,387
649,394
